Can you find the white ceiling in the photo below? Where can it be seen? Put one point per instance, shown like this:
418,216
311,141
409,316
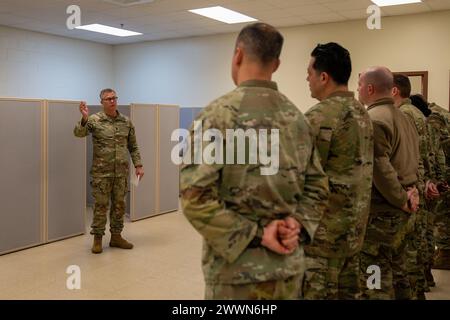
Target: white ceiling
165,19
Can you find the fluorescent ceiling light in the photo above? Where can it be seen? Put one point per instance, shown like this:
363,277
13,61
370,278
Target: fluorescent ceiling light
385,3
223,15
108,30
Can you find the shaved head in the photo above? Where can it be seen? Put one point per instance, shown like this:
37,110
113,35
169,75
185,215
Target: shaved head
375,83
380,78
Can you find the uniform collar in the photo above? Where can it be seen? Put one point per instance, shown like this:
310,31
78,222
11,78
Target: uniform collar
405,101
380,102
260,83
349,94
104,116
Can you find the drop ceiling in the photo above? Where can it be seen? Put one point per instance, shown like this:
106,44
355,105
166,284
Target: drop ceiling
166,19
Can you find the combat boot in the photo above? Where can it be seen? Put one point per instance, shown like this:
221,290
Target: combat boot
97,246
119,242
442,259
421,295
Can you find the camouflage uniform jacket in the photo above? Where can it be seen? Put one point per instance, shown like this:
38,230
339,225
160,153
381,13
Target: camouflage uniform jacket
439,122
344,139
227,203
396,163
112,139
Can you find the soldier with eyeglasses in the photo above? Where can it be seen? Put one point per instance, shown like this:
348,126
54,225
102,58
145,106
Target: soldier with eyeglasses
113,136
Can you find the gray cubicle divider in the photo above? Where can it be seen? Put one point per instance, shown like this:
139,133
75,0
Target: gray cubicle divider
143,202
157,193
195,112
66,159
22,173
125,110
187,116
168,178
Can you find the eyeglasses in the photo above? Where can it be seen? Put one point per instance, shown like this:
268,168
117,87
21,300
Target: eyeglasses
111,99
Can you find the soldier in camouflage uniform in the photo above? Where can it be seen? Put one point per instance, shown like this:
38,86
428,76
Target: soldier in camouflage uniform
440,121
250,222
344,139
416,243
113,136
437,162
394,195
438,128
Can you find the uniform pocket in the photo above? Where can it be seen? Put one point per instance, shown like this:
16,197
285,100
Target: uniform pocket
101,185
325,134
323,142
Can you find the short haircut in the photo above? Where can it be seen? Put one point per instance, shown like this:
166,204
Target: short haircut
107,90
402,83
420,103
261,41
333,59
380,78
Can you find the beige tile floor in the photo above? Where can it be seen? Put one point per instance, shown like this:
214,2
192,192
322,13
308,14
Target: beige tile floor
165,264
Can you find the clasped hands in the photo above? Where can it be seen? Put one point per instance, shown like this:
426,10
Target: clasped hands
412,204
282,236
431,192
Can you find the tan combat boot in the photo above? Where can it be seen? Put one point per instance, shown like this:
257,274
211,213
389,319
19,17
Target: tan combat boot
119,242
442,259
97,246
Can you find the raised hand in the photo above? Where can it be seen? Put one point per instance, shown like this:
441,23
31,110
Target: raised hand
84,110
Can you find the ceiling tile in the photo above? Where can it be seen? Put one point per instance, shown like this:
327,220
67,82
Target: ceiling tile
287,22
290,3
325,18
347,5
247,6
355,14
406,9
309,9
438,4
169,18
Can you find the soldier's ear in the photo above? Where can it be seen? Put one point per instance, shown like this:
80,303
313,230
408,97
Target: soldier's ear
238,56
394,91
324,77
276,65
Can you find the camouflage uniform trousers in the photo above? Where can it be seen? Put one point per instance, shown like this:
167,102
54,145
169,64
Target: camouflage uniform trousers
105,190
287,289
442,223
415,254
433,206
394,275
332,278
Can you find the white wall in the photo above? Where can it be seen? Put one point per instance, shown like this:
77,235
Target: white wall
37,65
188,72
192,72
